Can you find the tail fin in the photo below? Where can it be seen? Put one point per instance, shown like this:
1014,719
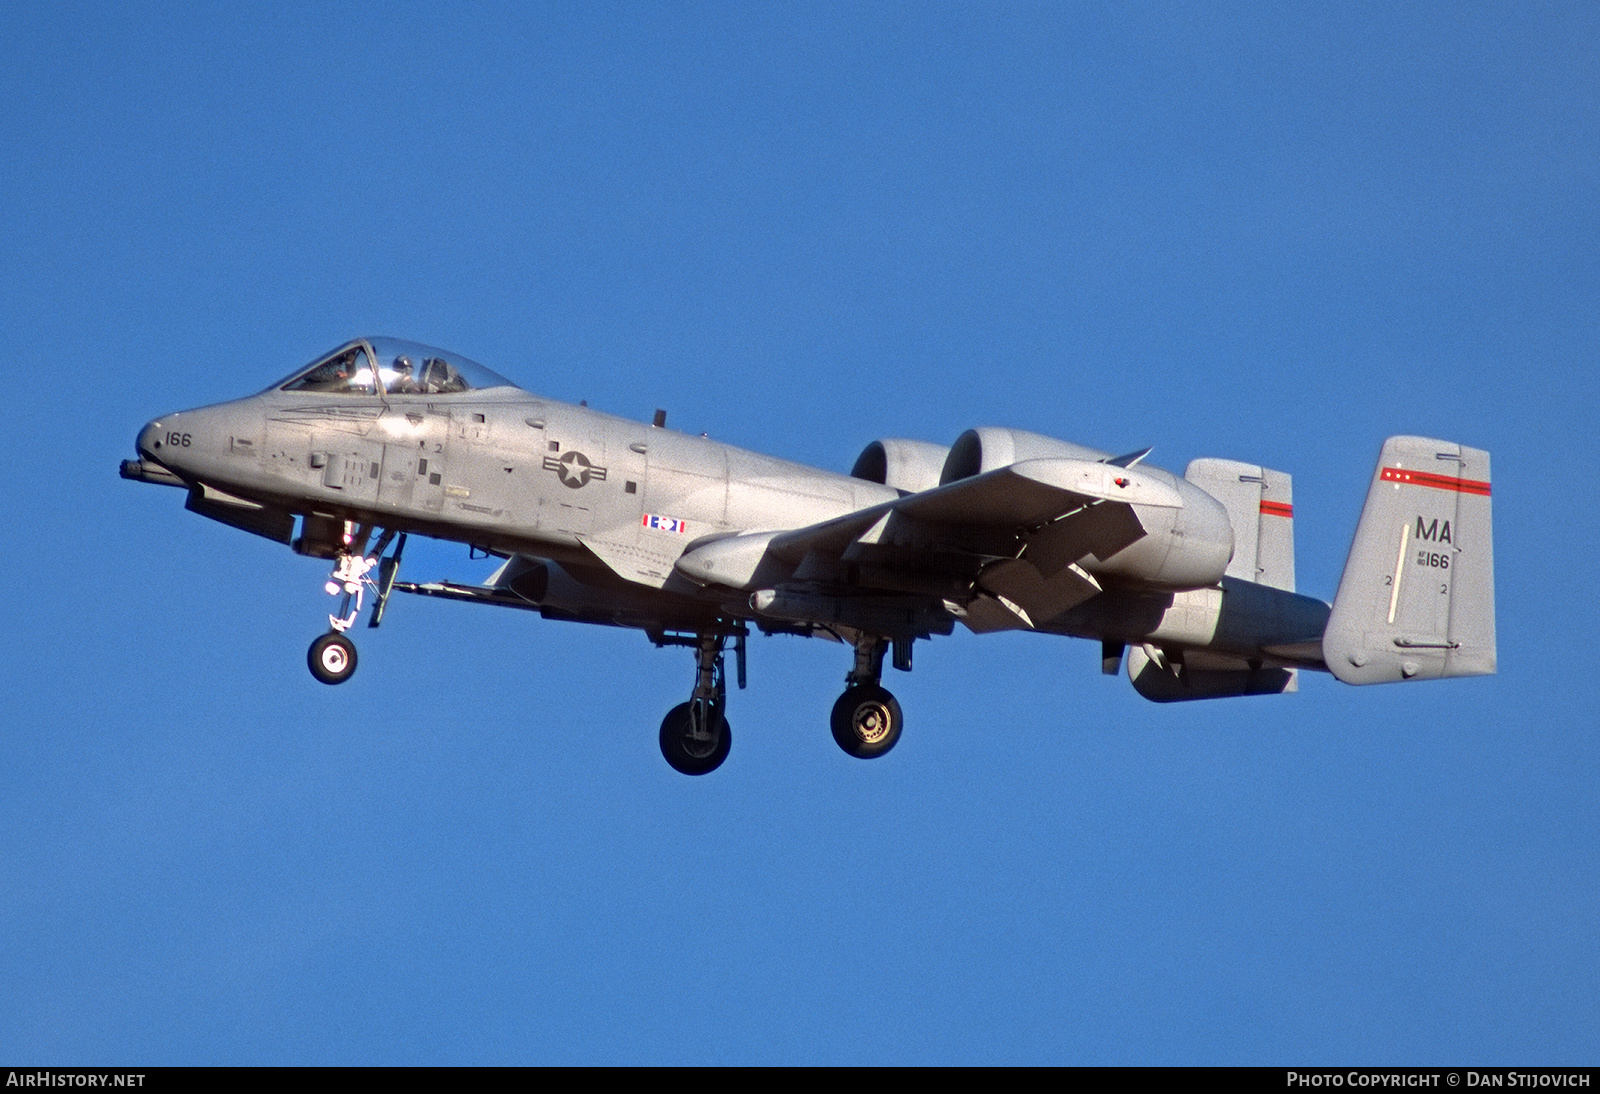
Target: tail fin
1260,505
1417,597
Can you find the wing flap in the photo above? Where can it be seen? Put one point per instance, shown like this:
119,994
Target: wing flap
1197,675
1019,584
1100,530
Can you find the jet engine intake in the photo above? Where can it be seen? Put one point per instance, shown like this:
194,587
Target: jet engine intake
908,466
987,449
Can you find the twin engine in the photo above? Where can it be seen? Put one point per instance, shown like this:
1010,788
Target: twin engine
1183,547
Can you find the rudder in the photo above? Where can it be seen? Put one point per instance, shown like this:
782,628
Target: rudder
1417,597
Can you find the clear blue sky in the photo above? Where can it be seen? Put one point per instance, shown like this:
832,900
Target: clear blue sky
1276,233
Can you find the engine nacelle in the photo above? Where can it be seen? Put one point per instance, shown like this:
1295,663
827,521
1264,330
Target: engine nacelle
988,449
1184,548
1187,547
908,466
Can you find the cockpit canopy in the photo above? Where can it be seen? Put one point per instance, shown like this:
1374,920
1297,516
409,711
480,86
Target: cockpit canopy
391,366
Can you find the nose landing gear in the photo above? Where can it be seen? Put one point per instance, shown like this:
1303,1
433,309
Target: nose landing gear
695,737
332,657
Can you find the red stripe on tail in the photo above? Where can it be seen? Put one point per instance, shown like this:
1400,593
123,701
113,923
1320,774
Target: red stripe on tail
1437,482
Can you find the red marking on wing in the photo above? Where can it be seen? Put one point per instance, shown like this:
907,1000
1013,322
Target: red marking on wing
1277,509
1437,482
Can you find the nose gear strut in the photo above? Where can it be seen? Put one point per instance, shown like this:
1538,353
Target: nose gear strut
332,657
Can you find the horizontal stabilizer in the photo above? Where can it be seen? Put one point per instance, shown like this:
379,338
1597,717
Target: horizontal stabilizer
1034,491
1417,597
1260,505
1018,583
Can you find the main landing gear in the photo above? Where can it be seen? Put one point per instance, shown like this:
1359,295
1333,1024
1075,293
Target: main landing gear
332,657
866,720
695,737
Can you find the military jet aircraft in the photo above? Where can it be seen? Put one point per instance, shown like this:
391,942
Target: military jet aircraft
1189,581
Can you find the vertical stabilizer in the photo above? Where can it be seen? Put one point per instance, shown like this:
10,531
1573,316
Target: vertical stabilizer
1260,505
1417,597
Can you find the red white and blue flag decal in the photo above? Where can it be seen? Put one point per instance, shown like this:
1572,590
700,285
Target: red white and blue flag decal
662,524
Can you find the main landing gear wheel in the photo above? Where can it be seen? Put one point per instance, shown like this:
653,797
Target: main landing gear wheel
693,752
332,658
867,721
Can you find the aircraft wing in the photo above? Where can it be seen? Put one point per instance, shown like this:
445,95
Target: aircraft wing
1017,532
631,561
1035,491
1019,497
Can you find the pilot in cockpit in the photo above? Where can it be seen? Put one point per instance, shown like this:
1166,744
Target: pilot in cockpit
344,373
439,378
404,382
389,366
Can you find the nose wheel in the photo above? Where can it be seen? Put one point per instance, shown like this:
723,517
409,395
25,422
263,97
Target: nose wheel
332,658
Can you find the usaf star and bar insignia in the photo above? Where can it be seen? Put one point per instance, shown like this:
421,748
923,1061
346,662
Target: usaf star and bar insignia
574,469
576,472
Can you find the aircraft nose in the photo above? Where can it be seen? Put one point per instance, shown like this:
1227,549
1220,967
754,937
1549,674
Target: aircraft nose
165,439
149,440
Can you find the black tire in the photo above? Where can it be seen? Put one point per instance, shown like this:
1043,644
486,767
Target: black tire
867,721
332,658
684,752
